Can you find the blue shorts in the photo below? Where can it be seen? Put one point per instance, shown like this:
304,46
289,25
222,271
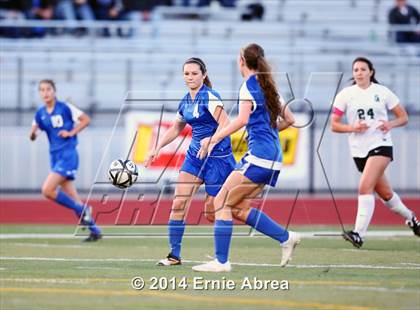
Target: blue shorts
258,174
213,170
65,163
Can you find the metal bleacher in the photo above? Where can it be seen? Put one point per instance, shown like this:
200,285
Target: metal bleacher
311,42
301,37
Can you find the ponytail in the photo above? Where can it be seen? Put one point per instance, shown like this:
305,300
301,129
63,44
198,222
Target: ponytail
207,82
255,60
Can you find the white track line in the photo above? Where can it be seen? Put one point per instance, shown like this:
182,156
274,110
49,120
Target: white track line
46,245
69,259
306,235
377,289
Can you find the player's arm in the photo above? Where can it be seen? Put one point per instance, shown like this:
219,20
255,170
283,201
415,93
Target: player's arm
401,119
245,109
33,133
222,119
338,110
170,135
286,120
82,122
338,126
207,145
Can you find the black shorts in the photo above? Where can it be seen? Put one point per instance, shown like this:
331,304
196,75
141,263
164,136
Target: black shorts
379,151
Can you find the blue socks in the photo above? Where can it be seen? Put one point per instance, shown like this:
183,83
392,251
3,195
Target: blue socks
93,228
176,230
65,200
222,237
264,224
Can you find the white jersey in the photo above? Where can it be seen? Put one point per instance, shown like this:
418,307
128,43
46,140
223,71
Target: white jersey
370,106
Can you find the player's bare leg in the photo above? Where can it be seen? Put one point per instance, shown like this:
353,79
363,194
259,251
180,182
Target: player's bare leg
373,171
235,193
50,185
395,204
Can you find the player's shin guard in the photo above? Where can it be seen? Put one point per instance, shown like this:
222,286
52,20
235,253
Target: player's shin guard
397,206
264,224
66,201
222,238
365,208
176,230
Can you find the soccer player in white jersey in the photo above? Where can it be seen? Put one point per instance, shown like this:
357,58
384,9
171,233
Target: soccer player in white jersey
365,105
259,110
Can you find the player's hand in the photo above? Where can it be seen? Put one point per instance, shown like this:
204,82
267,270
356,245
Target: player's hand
33,136
384,126
65,134
360,127
206,147
151,157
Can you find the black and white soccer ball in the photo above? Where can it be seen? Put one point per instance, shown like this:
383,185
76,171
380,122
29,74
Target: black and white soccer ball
123,173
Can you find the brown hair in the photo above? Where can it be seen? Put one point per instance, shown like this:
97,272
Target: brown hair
203,69
255,60
47,81
370,66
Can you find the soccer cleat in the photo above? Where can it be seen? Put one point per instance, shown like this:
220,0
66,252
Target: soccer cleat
354,238
213,266
414,224
288,248
93,237
170,260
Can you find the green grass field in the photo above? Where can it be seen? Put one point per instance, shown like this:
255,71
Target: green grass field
326,273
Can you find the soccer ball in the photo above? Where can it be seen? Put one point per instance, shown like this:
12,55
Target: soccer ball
123,173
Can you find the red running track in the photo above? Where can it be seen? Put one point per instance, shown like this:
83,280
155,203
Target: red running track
307,211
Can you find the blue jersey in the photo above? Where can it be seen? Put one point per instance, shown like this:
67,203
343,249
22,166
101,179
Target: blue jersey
263,140
199,115
63,117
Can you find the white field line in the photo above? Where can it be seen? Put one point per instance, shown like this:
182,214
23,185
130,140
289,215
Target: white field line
70,259
46,245
95,268
378,289
306,235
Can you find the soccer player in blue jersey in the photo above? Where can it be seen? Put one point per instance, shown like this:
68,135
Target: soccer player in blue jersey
259,110
62,122
202,109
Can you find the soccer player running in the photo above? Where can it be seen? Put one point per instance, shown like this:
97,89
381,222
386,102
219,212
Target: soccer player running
259,110
62,122
202,109
365,105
